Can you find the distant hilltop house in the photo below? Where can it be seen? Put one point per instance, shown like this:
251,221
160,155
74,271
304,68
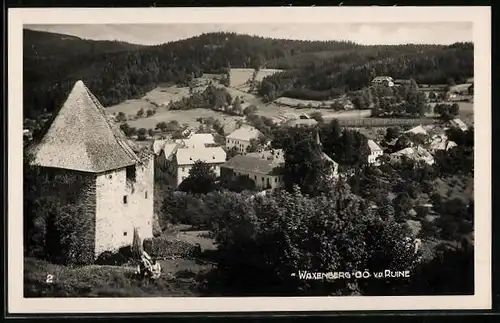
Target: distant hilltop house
84,144
240,138
375,152
383,80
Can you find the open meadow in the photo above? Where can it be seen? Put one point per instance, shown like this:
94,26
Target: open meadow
240,76
159,97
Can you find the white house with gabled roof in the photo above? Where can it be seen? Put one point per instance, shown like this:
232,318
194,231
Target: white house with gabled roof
186,157
375,152
240,138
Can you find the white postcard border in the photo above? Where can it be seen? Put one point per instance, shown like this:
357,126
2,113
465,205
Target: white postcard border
479,16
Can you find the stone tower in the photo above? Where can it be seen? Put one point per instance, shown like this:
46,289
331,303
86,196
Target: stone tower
82,141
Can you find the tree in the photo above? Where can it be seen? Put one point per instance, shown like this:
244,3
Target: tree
392,133
125,128
305,165
237,109
201,180
161,126
151,132
140,113
231,153
251,109
352,149
150,112
141,134
121,117
402,204
454,109
263,242
316,115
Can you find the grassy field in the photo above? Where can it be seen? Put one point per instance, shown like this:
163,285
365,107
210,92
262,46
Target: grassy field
239,76
185,117
179,276
161,95
295,102
110,281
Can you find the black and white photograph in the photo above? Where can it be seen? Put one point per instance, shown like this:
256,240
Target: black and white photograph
270,160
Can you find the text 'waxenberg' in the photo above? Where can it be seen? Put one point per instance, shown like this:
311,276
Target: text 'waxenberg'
331,275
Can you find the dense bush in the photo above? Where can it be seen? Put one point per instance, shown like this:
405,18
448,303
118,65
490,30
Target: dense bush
165,248
263,242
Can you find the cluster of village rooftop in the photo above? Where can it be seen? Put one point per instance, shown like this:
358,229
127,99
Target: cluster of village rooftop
265,167
91,145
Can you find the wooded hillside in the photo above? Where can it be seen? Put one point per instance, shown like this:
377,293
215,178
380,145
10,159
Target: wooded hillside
116,71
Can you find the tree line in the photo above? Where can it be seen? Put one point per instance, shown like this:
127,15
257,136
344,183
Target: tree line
354,70
115,71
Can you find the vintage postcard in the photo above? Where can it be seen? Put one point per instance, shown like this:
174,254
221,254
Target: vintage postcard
249,159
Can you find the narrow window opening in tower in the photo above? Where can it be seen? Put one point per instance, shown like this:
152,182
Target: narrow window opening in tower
131,173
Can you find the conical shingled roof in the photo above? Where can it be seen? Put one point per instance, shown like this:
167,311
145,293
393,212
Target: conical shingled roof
82,137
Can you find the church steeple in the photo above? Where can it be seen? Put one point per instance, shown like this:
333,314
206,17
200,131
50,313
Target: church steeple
318,141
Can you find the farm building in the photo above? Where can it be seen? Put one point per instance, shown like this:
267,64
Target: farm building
86,147
264,170
383,80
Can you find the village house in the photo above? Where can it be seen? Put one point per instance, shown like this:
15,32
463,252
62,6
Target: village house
413,153
195,140
264,169
383,80
186,157
417,130
375,152
459,124
240,138
85,144
440,142
27,134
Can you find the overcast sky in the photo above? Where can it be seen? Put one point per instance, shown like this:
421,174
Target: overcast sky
368,34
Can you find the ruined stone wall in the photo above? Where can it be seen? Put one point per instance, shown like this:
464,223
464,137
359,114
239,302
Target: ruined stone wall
122,205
